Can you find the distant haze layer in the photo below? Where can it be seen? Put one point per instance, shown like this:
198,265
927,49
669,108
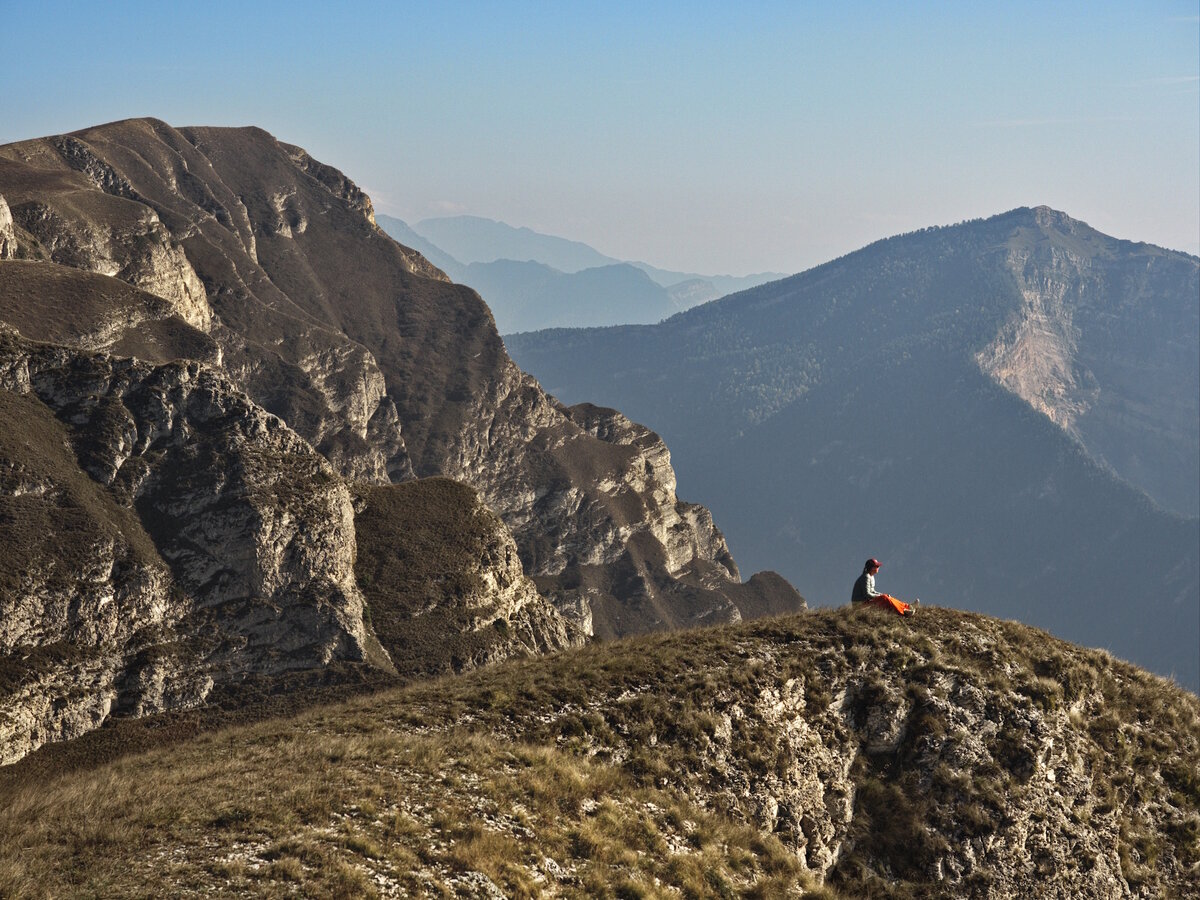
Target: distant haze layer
532,280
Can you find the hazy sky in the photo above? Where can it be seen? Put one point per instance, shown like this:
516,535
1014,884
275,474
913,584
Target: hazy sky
708,137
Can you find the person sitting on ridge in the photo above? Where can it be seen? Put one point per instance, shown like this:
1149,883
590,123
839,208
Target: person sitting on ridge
864,592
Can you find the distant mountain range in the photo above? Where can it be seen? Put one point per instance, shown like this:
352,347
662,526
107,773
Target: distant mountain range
533,281
474,239
527,296
1005,411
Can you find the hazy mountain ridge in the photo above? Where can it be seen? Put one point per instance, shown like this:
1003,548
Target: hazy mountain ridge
533,281
527,296
471,239
404,234
310,329
847,412
841,752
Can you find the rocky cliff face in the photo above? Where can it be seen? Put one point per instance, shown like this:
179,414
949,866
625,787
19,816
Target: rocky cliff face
8,234
1100,341
358,344
197,541
126,240
88,311
229,342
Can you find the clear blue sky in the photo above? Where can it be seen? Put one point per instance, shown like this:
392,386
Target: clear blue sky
708,137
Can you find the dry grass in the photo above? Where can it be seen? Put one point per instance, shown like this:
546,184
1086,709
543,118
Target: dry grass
336,804
592,773
422,546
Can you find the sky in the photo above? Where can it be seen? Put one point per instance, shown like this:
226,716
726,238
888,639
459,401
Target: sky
717,138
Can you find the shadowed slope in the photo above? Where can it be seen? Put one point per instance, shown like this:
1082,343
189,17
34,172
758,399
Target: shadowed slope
956,402
443,582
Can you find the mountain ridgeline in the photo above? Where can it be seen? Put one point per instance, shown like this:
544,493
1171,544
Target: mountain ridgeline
533,281
212,363
1004,411
526,296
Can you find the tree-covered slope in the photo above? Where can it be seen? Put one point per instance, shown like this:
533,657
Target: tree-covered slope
956,402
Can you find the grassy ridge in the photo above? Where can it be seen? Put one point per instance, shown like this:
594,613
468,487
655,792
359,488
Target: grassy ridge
632,769
337,804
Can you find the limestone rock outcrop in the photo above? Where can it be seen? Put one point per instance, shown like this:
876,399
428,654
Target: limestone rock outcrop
85,310
444,581
217,342
370,354
8,235
113,234
164,534
1093,347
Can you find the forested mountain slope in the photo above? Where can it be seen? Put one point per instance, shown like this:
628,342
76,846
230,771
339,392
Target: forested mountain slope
1004,411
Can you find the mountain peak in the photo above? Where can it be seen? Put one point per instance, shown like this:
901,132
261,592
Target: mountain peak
1058,360
1041,217
1047,217
345,358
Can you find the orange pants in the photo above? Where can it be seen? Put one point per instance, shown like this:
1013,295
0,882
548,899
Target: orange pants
885,602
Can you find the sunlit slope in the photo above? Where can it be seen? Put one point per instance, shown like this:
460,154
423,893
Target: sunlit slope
947,755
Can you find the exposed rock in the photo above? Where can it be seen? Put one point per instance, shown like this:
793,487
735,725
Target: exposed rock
61,305
83,589
128,242
947,756
951,755
8,235
647,485
590,498
1098,344
249,518
217,306
56,703
368,353
206,543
